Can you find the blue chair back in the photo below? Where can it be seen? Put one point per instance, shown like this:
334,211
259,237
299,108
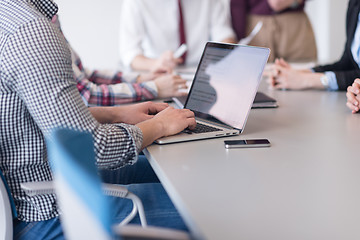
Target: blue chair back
86,211
11,200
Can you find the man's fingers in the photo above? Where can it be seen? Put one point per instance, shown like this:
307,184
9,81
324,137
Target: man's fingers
178,60
188,113
352,107
191,123
284,63
154,108
351,98
280,85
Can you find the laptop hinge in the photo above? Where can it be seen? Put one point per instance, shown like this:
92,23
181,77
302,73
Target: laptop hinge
217,124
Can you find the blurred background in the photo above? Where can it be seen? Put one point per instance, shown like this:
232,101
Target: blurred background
91,26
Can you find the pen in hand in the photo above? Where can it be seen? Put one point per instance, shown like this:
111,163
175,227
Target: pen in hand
180,51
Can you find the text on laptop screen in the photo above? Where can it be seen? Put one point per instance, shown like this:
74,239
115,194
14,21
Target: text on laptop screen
226,82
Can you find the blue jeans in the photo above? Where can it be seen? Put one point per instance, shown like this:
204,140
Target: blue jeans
158,207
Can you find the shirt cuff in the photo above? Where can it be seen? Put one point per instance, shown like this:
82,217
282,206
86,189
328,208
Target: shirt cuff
151,87
333,85
130,77
128,57
136,134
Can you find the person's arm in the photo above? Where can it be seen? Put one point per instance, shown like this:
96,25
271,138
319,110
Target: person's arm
154,119
165,63
283,76
220,22
52,99
238,10
286,78
131,32
130,114
115,94
280,5
166,123
102,88
344,70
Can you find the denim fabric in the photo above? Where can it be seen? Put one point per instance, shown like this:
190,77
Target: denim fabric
141,172
50,229
158,207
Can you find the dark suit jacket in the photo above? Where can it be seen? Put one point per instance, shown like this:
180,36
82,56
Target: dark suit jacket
346,69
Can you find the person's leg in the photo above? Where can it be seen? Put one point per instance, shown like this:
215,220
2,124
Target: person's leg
159,210
50,229
140,172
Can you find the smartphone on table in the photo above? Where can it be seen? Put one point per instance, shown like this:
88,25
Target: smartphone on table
247,143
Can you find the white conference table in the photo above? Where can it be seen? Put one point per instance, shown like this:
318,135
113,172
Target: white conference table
305,186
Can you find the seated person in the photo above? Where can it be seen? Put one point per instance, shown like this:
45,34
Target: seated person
104,88
286,28
38,93
336,76
101,88
150,31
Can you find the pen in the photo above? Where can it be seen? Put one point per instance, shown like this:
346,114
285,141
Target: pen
180,51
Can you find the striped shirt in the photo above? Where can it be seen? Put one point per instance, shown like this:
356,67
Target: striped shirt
38,93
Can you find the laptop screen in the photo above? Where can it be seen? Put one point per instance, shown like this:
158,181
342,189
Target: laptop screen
226,82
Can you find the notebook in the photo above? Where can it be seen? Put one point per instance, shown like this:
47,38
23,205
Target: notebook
261,101
264,101
223,90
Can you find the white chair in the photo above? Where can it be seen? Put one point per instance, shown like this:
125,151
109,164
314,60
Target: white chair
85,209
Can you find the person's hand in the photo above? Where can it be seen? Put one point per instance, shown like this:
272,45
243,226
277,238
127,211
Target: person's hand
166,63
282,63
168,122
284,77
169,86
144,77
353,96
136,113
175,120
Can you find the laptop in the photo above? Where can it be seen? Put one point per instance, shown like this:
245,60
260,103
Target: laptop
223,90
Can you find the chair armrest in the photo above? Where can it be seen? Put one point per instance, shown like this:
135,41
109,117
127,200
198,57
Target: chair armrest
47,187
119,191
136,232
114,190
38,188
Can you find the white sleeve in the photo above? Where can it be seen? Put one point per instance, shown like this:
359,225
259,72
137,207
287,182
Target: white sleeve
131,31
220,20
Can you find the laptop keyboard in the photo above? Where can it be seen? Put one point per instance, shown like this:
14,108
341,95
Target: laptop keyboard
202,128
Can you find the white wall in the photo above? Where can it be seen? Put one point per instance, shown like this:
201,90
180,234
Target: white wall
91,27
328,20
